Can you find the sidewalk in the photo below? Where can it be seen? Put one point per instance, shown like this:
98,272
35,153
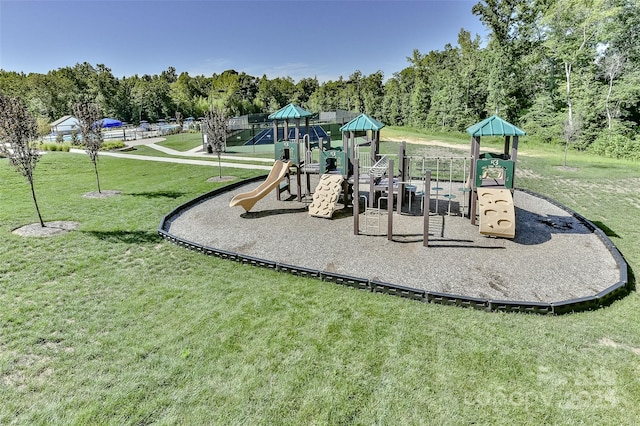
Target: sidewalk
182,160
197,152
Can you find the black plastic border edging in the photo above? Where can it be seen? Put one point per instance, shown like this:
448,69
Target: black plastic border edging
603,298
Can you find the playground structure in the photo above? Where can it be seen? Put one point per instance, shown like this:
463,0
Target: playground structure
486,179
493,178
297,150
489,184
444,186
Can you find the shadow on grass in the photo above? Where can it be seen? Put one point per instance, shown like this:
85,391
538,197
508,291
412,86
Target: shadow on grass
128,237
159,194
607,231
631,277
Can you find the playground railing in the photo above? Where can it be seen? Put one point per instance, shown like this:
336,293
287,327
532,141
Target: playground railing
380,168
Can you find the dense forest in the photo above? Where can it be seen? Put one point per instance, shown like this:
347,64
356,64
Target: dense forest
566,71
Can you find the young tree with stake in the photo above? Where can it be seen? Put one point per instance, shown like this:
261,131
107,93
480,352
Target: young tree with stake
216,128
17,130
89,118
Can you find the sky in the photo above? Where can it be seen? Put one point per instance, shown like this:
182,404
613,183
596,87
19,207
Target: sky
299,39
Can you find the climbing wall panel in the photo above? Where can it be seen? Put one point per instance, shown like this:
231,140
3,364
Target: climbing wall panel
497,212
326,196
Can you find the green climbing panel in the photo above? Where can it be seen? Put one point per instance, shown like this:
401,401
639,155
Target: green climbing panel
492,167
287,151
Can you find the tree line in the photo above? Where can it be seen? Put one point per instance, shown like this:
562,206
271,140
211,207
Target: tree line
566,71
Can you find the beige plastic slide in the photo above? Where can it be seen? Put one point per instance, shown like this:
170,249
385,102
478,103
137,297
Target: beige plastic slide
248,199
497,213
326,196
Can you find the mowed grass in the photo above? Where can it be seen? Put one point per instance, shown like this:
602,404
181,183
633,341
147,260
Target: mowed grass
111,325
182,141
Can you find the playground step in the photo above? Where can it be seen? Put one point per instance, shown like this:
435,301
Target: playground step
372,218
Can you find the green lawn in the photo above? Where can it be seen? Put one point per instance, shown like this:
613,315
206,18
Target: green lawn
111,325
182,141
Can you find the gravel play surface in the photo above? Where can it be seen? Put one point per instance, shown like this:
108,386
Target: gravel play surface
554,256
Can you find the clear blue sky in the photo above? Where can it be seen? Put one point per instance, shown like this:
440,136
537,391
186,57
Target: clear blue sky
326,39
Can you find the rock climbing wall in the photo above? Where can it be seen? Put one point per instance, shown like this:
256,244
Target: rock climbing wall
497,213
326,196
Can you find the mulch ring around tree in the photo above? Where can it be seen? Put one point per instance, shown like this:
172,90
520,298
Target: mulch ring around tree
221,179
49,230
102,194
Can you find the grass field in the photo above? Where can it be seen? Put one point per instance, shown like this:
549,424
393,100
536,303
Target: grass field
110,325
182,141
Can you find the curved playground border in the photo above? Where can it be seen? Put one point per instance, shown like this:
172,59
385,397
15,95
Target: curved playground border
603,298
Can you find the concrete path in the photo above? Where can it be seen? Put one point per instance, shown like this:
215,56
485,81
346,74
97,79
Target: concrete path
197,152
151,142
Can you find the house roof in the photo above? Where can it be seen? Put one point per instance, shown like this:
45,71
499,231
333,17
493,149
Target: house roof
290,111
494,126
362,122
62,120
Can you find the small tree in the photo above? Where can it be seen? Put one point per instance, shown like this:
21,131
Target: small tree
571,130
179,120
216,128
90,124
17,130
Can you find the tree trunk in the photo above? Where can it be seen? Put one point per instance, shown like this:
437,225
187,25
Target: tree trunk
219,167
95,168
33,194
609,115
569,135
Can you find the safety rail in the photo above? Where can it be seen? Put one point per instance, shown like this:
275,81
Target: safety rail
380,168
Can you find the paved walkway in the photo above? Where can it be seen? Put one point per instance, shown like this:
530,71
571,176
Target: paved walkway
198,152
195,152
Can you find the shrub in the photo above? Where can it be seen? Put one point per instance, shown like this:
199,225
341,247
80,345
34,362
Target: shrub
617,146
75,138
54,146
109,145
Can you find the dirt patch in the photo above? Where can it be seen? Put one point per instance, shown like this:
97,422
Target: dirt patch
433,142
102,194
605,341
567,168
429,143
221,179
49,230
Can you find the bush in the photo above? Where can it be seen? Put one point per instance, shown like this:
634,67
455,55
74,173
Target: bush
617,146
75,138
54,146
106,146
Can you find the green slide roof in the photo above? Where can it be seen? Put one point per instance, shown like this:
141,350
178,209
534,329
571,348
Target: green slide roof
290,111
494,126
362,122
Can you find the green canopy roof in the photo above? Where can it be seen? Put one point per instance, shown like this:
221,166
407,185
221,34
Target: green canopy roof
494,126
290,111
362,122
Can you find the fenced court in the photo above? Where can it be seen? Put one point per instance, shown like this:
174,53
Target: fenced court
265,136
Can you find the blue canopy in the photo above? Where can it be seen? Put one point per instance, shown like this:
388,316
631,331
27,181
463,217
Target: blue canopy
110,122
